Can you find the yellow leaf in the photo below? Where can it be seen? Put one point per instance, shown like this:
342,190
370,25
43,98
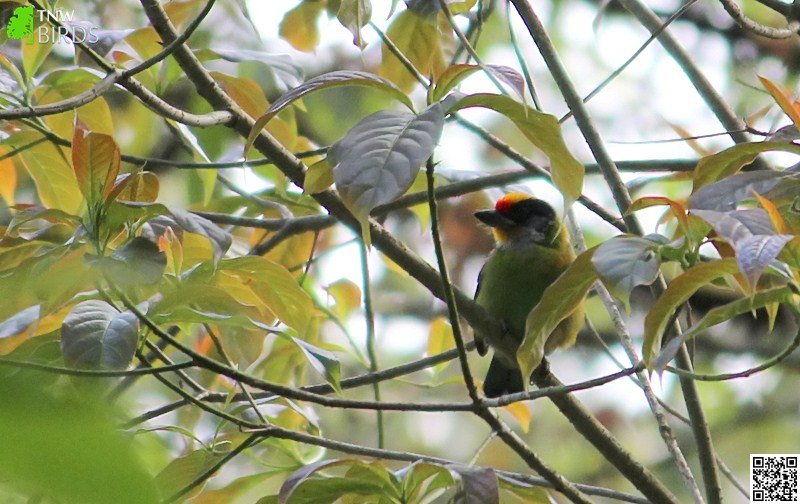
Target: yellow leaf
347,296
55,181
440,339
521,413
774,214
8,178
421,42
245,92
789,107
300,26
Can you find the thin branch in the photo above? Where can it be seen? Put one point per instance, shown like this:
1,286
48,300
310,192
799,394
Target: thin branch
363,451
700,429
735,11
95,373
616,73
369,321
769,363
720,108
70,103
251,440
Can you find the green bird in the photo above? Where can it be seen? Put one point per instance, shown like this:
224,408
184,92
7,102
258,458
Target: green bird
532,250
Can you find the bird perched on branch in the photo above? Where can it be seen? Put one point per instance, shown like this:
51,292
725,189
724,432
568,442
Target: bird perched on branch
532,250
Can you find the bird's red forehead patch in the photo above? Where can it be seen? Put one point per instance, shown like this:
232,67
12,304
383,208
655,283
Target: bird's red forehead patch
504,204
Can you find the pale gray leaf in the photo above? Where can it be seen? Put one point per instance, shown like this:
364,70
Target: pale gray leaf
730,191
479,485
378,160
95,335
19,321
756,252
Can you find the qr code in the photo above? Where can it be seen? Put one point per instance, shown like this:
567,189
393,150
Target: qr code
773,478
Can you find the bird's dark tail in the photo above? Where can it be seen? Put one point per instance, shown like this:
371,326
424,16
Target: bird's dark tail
501,379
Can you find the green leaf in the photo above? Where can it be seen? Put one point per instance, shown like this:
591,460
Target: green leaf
138,262
34,54
29,213
325,81
95,335
625,262
282,70
324,362
182,471
455,74
727,162
66,449
309,486
319,177
378,160
718,315
354,15
193,223
558,302
424,478
678,292
95,159
526,493
278,289
48,166
417,36
543,131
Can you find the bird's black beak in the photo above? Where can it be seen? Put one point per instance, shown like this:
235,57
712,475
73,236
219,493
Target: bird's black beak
493,218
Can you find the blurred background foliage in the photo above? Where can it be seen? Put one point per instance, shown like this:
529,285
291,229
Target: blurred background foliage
257,51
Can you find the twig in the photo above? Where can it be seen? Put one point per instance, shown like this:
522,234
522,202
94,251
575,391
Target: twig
369,320
735,11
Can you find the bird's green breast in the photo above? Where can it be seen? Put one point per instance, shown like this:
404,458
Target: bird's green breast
512,282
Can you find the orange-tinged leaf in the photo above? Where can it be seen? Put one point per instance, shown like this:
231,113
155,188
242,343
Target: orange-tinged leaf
781,96
690,140
676,208
170,244
95,159
521,413
8,178
300,26
774,214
